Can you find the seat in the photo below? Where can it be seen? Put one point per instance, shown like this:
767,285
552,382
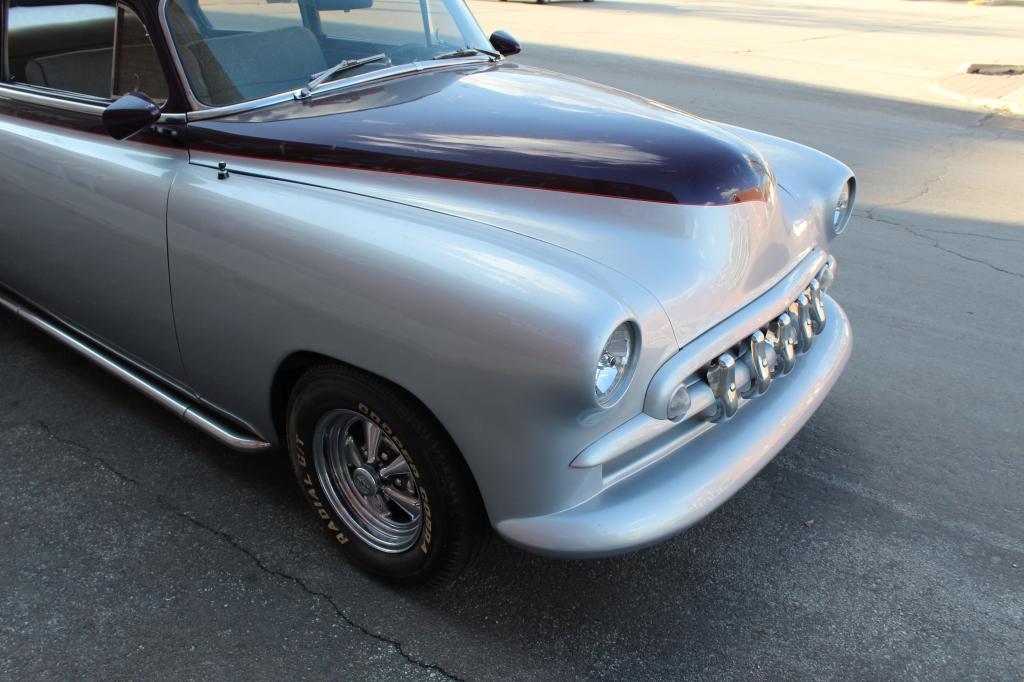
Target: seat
82,71
139,69
88,72
252,65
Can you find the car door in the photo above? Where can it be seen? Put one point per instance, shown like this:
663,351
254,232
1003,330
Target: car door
83,229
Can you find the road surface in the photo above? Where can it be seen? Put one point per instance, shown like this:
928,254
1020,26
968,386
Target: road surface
886,541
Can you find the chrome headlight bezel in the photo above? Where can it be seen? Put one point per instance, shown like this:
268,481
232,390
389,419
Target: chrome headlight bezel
843,207
615,364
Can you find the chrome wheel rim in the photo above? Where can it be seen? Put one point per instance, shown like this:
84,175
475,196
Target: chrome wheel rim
367,481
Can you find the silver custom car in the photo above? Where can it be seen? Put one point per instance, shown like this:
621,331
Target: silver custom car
463,294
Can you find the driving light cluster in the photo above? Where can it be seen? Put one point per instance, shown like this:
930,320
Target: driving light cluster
747,369
614,364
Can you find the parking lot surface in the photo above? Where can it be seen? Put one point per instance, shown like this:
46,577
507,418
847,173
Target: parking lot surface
886,541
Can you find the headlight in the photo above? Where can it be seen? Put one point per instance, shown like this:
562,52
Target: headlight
844,206
615,364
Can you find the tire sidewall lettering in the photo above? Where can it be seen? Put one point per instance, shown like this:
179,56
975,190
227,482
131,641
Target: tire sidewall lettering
424,499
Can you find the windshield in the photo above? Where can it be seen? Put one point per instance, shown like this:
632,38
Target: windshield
238,50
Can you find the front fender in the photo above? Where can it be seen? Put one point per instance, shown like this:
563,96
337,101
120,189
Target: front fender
496,333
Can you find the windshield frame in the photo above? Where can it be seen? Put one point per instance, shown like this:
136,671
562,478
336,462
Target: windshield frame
201,111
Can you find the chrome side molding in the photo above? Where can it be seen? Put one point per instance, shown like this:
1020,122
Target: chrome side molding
180,406
68,101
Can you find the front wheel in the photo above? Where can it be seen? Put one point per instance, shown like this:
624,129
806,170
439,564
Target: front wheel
383,477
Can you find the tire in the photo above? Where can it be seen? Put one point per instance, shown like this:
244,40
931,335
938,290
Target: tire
332,413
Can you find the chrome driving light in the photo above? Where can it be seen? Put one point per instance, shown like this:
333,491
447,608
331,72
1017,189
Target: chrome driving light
680,402
615,364
827,275
843,208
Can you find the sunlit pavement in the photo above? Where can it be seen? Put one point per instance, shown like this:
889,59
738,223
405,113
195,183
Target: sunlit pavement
132,547
878,47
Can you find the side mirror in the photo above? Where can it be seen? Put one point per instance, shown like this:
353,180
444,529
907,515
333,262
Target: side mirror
129,114
505,44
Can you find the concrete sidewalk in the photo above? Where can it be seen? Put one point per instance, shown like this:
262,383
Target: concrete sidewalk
1003,93
887,48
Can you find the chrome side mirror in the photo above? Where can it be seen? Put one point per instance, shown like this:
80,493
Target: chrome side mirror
505,44
129,114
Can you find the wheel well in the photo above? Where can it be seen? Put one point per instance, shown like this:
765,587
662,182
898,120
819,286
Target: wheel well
295,365
288,372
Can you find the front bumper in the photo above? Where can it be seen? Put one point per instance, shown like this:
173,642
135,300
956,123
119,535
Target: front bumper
649,503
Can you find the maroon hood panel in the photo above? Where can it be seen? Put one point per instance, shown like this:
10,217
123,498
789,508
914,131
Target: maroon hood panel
503,124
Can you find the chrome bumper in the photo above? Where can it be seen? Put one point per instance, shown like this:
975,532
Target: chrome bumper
675,474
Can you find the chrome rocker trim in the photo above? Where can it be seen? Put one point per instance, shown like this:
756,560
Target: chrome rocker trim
667,496
184,409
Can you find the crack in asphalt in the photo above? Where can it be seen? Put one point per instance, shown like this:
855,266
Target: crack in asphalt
395,644
872,216
973,234
955,140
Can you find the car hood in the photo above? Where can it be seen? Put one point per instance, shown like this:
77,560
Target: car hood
503,124
686,208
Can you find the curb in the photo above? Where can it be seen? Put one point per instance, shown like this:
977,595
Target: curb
1004,101
1000,105
991,69
991,3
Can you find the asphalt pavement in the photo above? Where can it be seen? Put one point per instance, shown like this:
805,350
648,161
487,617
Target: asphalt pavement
887,541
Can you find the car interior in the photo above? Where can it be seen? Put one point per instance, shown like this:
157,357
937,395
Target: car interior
227,65
234,67
70,47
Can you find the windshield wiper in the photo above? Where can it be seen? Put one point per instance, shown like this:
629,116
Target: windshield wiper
318,79
467,52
